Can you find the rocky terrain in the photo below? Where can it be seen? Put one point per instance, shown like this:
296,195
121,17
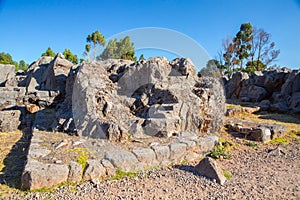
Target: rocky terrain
100,120
274,90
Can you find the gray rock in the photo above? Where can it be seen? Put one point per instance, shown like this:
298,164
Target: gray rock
145,156
94,171
261,134
264,105
177,151
208,167
206,144
11,97
55,76
9,120
37,151
7,75
75,173
294,106
233,87
38,175
162,153
254,93
110,169
35,74
151,95
122,159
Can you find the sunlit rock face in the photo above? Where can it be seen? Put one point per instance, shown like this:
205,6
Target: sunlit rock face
114,99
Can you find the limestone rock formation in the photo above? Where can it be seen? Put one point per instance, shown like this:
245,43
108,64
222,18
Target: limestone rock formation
116,98
273,90
209,168
7,75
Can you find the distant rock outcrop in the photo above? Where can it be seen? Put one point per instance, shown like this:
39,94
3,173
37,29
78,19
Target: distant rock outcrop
274,90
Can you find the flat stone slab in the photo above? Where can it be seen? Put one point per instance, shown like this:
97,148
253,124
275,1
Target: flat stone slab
37,175
257,131
122,159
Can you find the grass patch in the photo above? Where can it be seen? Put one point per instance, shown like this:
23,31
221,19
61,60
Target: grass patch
227,174
82,156
120,174
288,138
220,151
251,144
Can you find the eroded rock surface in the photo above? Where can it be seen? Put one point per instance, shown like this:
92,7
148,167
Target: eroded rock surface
115,98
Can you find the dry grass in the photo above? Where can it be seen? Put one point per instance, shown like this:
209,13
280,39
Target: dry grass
7,141
291,122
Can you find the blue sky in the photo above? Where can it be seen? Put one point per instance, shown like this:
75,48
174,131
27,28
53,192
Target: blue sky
28,27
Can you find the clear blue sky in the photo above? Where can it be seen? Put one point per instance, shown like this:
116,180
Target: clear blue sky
28,27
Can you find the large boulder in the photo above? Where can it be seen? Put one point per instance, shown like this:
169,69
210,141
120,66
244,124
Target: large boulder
55,76
234,85
35,72
7,75
9,120
159,97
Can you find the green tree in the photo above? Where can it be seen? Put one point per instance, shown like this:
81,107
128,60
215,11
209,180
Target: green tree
49,52
242,42
70,56
255,65
251,45
142,57
96,38
122,49
22,65
6,58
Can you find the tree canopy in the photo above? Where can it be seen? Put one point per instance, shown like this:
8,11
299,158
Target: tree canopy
96,39
70,56
250,50
122,49
6,58
49,52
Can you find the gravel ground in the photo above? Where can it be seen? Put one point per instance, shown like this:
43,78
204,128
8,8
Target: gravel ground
257,173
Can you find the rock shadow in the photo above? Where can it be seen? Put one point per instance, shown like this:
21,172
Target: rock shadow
287,118
188,168
14,162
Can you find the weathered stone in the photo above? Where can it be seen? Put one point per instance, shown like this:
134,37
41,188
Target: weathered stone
7,75
258,131
44,119
38,175
254,93
110,169
9,120
75,172
162,153
206,144
54,77
294,106
122,159
177,151
11,97
264,105
145,156
261,134
208,167
149,95
35,74
233,87
36,151
94,170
